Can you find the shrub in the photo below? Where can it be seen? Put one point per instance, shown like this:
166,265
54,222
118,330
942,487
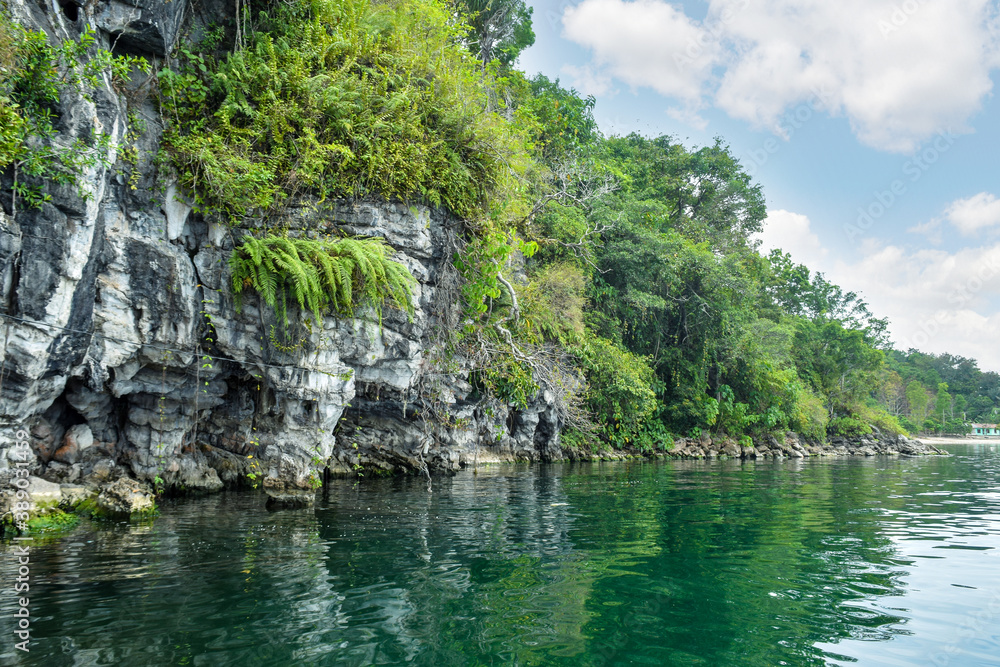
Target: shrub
882,420
809,417
620,389
860,420
33,73
552,303
848,426
340,98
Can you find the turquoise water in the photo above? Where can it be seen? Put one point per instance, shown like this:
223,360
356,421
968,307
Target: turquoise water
846,562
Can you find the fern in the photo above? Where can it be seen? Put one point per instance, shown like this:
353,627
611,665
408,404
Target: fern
320,275
342,98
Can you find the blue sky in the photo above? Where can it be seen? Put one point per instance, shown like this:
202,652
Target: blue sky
871,124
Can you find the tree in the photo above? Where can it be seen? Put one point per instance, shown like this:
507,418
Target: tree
917,398
798,291
960,406
942,404
838,361
501,29
892,393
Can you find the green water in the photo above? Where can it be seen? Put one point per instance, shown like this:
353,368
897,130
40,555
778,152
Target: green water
872,562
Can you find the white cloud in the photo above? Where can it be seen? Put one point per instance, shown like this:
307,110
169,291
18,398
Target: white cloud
931,229
936,301
974,213
688,115
899,70
588,80
644,43
791,232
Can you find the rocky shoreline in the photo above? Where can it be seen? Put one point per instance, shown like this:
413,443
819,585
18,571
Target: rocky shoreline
790,445
117,495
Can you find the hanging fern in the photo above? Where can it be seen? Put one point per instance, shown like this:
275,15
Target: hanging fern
318,275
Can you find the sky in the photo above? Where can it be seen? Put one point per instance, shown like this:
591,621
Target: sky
871,125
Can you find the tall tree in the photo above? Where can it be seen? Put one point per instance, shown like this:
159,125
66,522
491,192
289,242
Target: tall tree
942,404
917,397
892,393
501,29
960,407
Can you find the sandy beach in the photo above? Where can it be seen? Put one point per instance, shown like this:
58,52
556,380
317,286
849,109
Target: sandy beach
958,440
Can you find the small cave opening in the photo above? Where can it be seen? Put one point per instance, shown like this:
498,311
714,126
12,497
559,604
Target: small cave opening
63,414
70,9
513,420
49,430
138,39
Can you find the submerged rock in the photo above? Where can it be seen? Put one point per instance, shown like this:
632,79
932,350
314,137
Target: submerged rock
290,499
125,497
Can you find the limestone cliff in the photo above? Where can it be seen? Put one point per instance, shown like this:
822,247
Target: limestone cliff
124,353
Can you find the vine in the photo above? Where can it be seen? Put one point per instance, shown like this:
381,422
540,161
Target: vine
33,73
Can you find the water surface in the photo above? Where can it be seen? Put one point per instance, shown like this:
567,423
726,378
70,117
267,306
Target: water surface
889,561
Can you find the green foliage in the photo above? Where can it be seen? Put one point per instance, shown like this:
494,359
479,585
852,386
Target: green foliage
861,421
33,73
621,391
884,421
797,291
53,521
942,403
810,417
499,29
836,361
507,379
344,98
479,264
918,400
703,194
972,395
848,426
320,275
553,303
565,121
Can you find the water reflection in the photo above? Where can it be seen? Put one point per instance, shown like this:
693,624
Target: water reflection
687,563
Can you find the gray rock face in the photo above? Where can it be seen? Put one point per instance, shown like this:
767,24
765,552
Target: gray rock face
43,492
74,494
124,352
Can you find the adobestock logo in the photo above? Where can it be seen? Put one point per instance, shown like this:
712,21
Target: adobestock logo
899,17
712,33
988,269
